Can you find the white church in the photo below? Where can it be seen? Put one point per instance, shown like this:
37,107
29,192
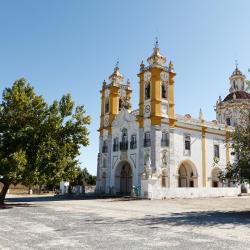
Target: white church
159,152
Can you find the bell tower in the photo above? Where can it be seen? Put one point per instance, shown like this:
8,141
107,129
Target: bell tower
156,107
156,89
114,96
229,110
237,81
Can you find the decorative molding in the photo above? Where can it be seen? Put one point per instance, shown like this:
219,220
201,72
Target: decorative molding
122,118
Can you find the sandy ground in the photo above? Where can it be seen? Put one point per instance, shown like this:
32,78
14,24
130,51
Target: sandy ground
46,222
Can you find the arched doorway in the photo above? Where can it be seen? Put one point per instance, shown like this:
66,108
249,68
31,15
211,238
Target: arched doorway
123,178
188,176
216,182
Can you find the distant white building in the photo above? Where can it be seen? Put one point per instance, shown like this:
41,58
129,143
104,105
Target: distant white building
166,154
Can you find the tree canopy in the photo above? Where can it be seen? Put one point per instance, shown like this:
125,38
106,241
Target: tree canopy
239,171
84,178
39,143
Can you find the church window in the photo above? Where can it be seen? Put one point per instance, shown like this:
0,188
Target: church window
163,181
147,141
147,91
133,142
187,145
164,91
165,139
124,142
105,147
234,84
216,151
107,105
228,121
116,144
120,104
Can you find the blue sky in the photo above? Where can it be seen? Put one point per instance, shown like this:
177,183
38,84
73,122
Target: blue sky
72,46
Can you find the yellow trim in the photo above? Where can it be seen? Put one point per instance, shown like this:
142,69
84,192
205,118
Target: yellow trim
199,130
113,105
204,174
171,113
155,87
141,104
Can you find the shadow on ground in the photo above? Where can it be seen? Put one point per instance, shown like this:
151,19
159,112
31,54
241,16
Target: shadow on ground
8,206
39,198
209,218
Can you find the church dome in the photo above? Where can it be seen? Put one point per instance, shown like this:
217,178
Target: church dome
237,72
237,95
156,57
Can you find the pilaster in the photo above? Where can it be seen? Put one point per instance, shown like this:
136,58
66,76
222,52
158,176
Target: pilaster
114,105
141,103
204,169
171,113
172,168
155,115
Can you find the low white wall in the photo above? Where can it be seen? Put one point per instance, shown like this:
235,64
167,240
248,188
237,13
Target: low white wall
151,190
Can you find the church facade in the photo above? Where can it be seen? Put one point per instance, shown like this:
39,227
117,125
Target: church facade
158,151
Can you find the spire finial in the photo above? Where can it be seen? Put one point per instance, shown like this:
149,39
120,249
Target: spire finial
236,64
156,43
117,63
201,115
142,65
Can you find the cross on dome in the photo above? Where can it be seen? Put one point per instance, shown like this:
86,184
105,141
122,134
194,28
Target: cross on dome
156,57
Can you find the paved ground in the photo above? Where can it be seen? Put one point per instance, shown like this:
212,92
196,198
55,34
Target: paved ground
49,223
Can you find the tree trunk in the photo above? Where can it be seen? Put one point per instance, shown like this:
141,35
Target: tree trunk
4,192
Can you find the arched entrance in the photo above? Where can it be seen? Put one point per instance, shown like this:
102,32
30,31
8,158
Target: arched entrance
216,182
188,176
123,178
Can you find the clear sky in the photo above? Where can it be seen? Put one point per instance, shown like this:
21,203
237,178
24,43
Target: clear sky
72,46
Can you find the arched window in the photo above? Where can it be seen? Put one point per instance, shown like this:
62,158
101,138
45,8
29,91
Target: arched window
105,147
120,104
124,142
147,91
228,121
116,144
164,91
124,135
107,105
165,139
133,142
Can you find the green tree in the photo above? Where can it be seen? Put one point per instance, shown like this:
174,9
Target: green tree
39,143
239,171
84,178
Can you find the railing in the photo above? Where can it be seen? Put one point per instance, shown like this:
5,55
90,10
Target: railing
124,146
